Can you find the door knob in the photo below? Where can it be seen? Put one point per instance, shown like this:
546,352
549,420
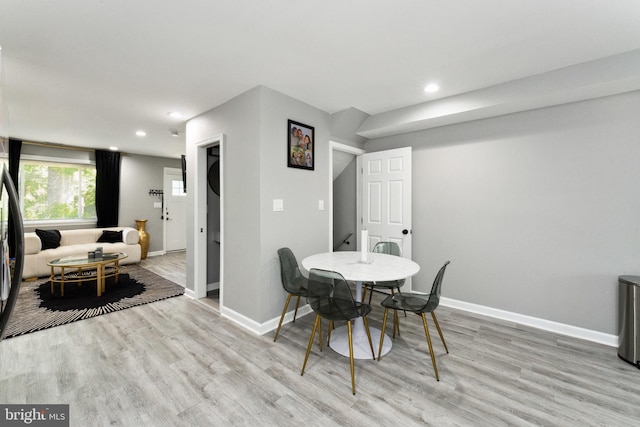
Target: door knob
405,231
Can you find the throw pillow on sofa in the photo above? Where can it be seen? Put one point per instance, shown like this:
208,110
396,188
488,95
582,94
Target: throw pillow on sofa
110,236
50,238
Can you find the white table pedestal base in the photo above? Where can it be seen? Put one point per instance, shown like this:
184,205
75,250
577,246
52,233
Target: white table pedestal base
361,350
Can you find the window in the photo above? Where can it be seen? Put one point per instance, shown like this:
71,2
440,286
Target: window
177,188
53,191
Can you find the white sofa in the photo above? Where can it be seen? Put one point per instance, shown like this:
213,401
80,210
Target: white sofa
76,242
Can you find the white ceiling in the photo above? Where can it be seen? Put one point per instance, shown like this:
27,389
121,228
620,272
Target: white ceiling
92,72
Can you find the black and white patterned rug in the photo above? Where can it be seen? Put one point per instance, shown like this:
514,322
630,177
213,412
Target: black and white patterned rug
37,308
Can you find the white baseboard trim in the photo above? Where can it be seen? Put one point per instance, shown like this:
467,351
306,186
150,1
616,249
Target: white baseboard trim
156,253
262,328
547,325
252,325
213,286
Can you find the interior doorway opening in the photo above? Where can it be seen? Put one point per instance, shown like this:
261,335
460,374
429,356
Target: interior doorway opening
213,225
345,196
209,230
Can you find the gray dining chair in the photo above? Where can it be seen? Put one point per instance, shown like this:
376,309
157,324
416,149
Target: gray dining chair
389,248
293,282
330,297
419,304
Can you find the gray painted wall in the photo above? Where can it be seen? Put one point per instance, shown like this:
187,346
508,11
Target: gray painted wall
254,125
238,119
60,153
344,125
537,211
138,175
301,226
345,208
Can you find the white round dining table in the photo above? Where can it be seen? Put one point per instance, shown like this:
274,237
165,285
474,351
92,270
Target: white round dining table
377,267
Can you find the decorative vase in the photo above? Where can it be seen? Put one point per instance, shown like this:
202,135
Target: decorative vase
144,237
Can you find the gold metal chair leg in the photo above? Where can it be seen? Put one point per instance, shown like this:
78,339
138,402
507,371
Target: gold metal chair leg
433,358
313,332
320,334
295,313
384,326
366,328
284,311
396,323
331,326
433,314
351,363
405,311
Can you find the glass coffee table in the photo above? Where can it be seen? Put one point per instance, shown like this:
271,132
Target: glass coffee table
80,269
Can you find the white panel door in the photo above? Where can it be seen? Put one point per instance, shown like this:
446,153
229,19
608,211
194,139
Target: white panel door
174,211
386,198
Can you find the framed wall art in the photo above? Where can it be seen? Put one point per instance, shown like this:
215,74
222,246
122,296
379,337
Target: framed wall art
300,146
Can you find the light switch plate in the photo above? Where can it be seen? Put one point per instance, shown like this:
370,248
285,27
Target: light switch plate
157,205
320,205
278,205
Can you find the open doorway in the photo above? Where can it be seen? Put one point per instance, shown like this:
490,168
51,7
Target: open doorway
209,230
213,226
344,196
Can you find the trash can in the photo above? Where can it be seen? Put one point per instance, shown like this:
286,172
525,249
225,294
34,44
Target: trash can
629,319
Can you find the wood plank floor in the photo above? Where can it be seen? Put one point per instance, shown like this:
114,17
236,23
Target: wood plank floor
172,266
177,362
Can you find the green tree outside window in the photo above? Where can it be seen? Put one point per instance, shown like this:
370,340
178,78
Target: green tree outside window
52,191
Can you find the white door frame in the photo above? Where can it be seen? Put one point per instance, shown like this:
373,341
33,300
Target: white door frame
199,187
333,145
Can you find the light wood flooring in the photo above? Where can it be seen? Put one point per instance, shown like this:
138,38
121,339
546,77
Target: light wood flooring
177,362
173,266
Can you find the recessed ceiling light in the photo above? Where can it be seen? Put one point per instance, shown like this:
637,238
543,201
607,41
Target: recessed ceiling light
141,133
174,115
431,88
113,148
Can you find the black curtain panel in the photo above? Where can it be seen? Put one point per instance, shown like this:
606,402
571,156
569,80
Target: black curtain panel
107,187
15,147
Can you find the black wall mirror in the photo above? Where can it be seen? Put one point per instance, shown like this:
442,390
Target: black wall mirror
214,177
